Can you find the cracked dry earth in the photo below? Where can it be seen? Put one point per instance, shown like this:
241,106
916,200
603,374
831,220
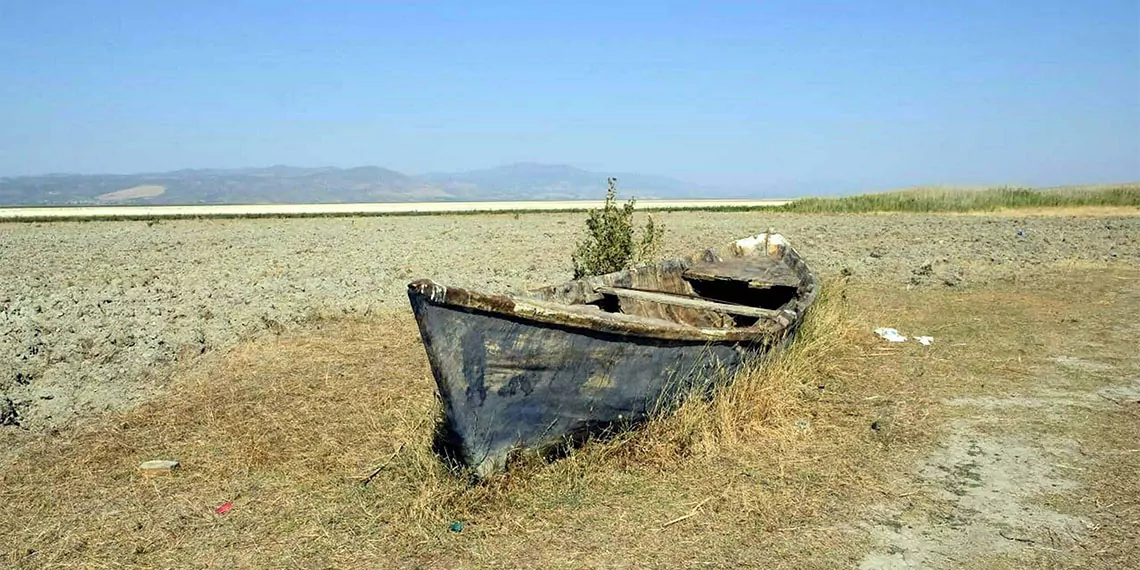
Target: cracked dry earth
1006,485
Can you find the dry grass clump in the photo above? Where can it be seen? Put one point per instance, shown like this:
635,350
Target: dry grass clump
765,405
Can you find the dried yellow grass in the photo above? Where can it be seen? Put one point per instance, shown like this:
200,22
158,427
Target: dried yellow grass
772,472
759,408
286,428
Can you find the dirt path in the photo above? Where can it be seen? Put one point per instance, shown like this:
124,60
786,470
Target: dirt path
1023,479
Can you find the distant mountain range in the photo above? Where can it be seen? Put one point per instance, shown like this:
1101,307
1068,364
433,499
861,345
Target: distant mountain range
287,184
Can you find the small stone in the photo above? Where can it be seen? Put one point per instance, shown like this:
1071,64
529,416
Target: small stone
9,415
158,466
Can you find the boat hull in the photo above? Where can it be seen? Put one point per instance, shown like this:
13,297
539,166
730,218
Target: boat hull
508,382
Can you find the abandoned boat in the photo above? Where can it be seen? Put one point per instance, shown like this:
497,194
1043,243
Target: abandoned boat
532,370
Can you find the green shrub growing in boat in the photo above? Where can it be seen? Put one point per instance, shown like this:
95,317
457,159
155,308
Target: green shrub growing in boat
611,244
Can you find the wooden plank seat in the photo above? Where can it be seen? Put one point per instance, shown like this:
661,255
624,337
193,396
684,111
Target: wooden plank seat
688,302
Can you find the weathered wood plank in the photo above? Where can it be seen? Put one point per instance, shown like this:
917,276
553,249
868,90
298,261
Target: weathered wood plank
523,306
689,302
758,274
669,281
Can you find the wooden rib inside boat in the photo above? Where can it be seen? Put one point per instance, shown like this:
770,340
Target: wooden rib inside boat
534,369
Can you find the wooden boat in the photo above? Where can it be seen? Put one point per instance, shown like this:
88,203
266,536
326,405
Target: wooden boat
532,370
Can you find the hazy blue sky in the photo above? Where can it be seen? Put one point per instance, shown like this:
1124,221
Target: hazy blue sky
803,95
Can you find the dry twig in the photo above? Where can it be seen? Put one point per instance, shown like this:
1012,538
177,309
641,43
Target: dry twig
366,480
691,514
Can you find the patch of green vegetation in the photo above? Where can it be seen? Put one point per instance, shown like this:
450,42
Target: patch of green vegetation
951,200
610,243
956,200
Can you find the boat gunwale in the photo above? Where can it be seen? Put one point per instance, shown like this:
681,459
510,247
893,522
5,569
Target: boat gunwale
611,323
560,314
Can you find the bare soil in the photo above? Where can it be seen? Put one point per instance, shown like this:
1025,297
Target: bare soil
94,316
1037,416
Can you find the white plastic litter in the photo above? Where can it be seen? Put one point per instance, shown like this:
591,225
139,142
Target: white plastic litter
893,335
890,335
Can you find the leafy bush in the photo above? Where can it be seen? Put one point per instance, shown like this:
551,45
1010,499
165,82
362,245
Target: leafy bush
610,244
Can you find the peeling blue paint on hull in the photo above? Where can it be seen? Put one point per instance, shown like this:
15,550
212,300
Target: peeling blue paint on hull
508,384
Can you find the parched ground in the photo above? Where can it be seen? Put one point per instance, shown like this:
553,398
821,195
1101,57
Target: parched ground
278,362
94,315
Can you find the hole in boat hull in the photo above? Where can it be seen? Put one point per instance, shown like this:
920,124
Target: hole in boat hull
739,293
